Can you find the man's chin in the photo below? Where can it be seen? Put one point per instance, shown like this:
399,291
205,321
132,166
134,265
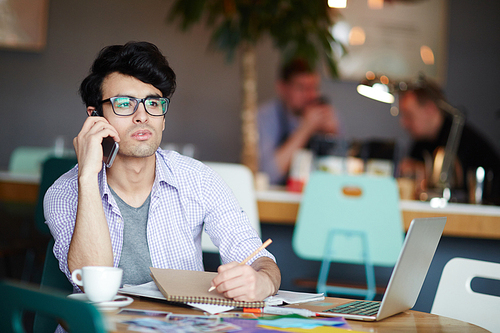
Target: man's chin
140,152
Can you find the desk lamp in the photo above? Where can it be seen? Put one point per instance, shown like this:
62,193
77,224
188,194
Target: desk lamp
381,89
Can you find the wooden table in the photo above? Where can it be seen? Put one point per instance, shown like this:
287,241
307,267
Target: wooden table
408,321
22,188
281,207
464,220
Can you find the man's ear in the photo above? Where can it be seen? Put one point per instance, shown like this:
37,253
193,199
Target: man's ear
91,111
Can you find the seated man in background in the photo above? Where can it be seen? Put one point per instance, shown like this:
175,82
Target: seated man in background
149,208
429,126
288,123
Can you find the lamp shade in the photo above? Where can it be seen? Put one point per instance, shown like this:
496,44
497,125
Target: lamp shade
376,88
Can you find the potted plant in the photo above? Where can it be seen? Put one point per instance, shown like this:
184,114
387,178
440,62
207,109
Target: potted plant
298,28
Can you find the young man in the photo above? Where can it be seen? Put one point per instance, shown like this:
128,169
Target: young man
149,208
288,123
429,127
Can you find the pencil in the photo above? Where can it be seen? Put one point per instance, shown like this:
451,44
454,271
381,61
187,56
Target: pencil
262,247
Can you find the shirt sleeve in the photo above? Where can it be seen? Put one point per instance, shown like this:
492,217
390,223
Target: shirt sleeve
226,223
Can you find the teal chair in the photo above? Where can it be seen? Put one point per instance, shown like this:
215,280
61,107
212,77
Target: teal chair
349,219
29,160
16,298
52,279
52,168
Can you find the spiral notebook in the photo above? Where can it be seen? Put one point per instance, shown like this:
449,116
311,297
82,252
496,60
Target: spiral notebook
192,287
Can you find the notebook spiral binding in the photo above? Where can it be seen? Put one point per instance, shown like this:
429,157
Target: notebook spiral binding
216,301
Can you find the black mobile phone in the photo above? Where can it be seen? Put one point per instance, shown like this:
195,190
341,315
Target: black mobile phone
109,147
109,150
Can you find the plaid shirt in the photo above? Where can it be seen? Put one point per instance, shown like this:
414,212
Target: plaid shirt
186,195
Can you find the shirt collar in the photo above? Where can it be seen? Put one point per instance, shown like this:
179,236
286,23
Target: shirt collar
164,169
164,174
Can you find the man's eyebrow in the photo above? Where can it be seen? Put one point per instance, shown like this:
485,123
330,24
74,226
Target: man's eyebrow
148,96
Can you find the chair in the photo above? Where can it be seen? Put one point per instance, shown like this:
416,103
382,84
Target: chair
16,298
29,160
456,299
240,179
52,279
52,168
349,219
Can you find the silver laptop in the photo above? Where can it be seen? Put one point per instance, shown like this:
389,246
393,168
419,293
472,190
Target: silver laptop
406,279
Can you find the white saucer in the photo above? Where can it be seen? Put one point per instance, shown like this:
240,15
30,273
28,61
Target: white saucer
118,302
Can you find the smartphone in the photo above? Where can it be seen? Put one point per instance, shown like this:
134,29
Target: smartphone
109,148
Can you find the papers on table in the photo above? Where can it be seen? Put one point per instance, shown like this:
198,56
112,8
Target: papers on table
211,308
293,297
148,289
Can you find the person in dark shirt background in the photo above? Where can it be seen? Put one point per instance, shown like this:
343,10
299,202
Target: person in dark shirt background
429,126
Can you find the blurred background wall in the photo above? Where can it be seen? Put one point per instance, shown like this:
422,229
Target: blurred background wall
39,99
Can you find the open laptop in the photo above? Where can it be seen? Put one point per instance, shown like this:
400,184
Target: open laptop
406,279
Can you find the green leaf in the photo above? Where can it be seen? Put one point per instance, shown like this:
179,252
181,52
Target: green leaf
298,28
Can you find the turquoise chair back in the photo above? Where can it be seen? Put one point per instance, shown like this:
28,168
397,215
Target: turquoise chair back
349,219
332,202
29,160
80,317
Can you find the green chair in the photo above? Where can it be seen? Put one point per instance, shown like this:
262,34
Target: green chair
16,298
52,169
349,219
52,279
29,160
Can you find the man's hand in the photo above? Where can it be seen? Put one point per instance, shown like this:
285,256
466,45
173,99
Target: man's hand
91,243
320,118
248,283
88,144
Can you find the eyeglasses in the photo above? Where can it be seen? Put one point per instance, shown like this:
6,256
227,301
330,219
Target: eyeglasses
126,106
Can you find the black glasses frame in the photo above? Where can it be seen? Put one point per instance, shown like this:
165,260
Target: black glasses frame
138,100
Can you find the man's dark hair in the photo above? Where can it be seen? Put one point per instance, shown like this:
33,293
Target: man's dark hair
295,67
142,60
425,91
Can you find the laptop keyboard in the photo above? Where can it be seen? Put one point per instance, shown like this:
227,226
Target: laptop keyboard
364,308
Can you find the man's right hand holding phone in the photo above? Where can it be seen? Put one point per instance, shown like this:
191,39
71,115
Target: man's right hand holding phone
88,144
91,228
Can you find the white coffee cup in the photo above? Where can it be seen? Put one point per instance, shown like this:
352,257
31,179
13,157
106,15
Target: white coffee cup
100,283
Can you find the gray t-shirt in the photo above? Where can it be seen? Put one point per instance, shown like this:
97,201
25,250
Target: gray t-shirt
135,259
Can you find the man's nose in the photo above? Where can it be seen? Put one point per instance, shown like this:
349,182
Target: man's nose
140,115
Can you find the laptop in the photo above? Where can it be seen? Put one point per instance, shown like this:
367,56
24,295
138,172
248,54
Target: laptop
406,279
